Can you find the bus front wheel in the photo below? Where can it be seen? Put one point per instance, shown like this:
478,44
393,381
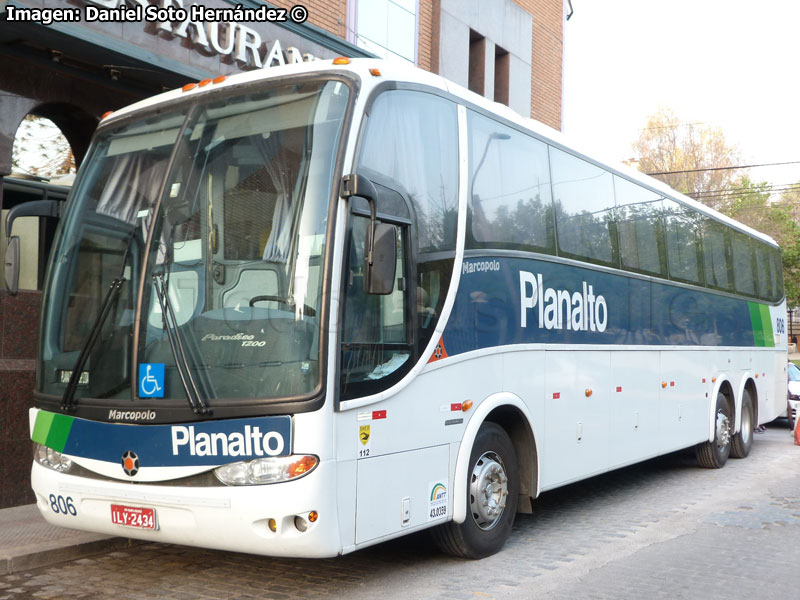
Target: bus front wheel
714,454
492,495
743,441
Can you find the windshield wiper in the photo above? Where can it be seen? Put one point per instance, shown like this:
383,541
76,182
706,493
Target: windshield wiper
171,325
68,401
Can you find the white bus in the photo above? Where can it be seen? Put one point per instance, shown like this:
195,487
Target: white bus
302,311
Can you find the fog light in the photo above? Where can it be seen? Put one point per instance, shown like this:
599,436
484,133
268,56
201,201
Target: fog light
300,523
273,526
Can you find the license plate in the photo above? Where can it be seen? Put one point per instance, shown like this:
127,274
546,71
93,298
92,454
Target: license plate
133,516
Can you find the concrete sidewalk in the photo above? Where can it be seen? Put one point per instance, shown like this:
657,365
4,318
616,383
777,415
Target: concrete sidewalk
27,541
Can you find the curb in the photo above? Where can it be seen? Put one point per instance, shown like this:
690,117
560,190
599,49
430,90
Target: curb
25,559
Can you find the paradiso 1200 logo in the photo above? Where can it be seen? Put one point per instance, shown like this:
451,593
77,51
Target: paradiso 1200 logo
559,308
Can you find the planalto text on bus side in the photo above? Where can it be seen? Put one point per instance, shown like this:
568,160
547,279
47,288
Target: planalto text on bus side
560,309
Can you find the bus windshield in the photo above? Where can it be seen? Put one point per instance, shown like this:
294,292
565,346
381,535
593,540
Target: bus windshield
212,226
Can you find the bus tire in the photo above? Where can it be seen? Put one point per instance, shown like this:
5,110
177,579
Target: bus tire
492,496
743,441
714,454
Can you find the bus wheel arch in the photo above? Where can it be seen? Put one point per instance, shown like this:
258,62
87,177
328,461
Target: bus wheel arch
509,412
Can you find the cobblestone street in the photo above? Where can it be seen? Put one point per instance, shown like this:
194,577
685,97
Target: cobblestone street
662,529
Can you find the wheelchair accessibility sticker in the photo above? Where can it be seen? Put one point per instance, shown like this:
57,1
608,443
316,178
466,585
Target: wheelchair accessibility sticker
151,380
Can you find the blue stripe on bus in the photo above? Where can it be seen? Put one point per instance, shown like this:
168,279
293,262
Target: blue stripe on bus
205,443
565,304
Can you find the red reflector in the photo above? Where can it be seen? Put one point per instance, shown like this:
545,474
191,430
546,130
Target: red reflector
671,384
619,388
704,379
556,395
378,414
455,406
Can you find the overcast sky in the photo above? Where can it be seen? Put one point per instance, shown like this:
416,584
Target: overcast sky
728,63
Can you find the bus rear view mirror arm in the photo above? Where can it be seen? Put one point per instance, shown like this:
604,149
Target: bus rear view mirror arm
380,257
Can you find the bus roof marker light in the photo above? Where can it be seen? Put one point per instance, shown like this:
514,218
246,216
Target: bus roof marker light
219,79
204,82
188,87
341,60
108,113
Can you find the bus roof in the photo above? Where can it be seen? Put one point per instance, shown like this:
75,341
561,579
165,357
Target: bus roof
396,71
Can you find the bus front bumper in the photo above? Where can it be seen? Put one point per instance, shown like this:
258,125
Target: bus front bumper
236,518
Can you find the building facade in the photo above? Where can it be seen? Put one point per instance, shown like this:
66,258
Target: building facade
70,61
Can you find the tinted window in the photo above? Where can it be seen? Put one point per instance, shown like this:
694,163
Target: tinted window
716,254
641,236
411,145
743,276
776,273
583,196
765,283
510,201
683,242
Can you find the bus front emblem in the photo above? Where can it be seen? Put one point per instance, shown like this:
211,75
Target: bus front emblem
130,463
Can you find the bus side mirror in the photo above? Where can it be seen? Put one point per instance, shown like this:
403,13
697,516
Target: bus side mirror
380,246
379,275
11,265
35,208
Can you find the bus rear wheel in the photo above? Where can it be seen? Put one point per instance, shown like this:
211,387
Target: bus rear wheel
714,454
743,441
492,495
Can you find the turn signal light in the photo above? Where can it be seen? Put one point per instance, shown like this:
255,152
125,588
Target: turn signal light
588,392
313,516
663,384
466,405
375,72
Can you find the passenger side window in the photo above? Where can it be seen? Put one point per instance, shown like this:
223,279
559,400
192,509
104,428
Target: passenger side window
510,203
411,142
583,198
682,228
716,255
640,230
744,280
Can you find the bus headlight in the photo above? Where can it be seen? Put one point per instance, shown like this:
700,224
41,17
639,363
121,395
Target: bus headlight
47,457
262,471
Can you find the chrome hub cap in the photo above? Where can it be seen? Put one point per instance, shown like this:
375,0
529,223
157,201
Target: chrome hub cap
488,490
723,431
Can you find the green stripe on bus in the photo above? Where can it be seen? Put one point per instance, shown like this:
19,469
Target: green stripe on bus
52,430
42,426
766,325
758,328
